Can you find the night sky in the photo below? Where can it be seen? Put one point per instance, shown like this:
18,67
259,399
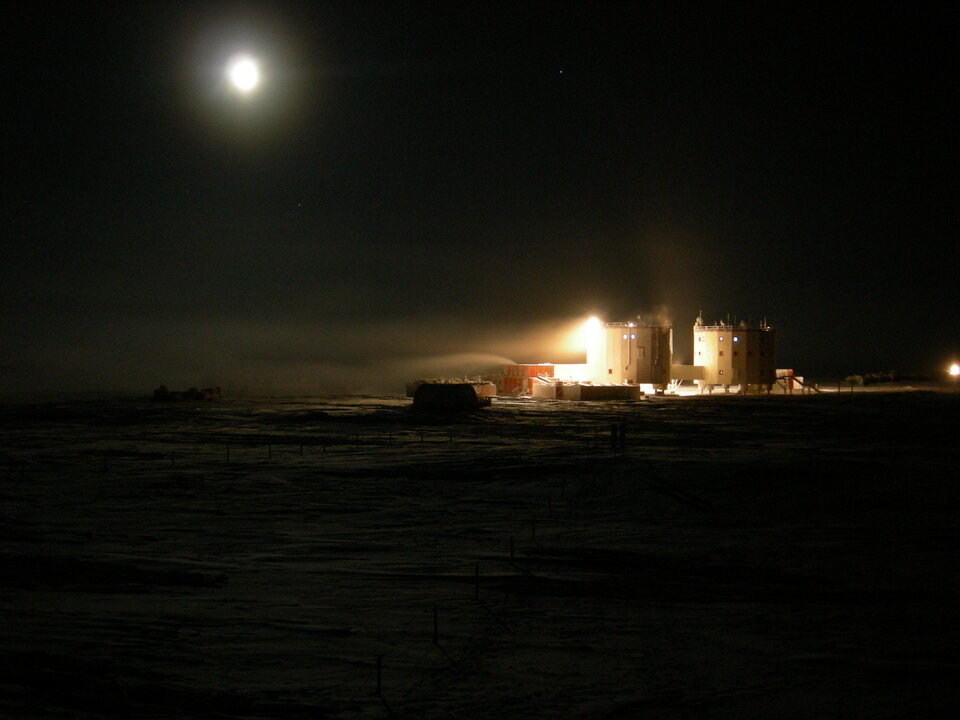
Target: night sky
419,188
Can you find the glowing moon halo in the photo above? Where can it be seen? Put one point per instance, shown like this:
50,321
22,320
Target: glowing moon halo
243,73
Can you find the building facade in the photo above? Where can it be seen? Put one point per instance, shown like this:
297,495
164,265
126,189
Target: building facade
735,354
631,352
641,353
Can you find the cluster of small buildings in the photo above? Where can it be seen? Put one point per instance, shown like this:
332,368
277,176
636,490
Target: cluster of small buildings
627,359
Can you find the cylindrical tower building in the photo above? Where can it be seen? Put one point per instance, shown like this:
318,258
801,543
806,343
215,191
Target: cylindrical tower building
735,354
632,352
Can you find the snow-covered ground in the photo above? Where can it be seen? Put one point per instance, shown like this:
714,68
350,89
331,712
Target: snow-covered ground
782,557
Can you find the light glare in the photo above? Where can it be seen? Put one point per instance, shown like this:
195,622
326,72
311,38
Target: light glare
244,73
955,369
579,336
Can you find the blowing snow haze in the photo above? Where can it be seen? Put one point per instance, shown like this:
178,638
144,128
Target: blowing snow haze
411,182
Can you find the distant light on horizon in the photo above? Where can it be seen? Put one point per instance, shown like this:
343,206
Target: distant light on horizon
954,370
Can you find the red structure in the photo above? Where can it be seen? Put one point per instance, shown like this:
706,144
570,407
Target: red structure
518,379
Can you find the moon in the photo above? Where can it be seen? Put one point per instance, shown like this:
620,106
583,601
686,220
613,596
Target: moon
243,73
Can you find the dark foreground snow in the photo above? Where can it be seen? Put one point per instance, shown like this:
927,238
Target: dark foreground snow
786,557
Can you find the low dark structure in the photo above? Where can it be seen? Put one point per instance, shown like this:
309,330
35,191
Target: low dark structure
450,397
165,395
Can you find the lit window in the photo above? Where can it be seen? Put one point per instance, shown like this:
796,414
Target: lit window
721,338
736,339
633,337
721,372
624,336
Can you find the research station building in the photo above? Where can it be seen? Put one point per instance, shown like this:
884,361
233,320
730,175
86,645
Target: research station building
735,354
636,353
637,356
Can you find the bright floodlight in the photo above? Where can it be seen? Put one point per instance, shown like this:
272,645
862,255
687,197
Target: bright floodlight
588,332
955,369
243,73
594,339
